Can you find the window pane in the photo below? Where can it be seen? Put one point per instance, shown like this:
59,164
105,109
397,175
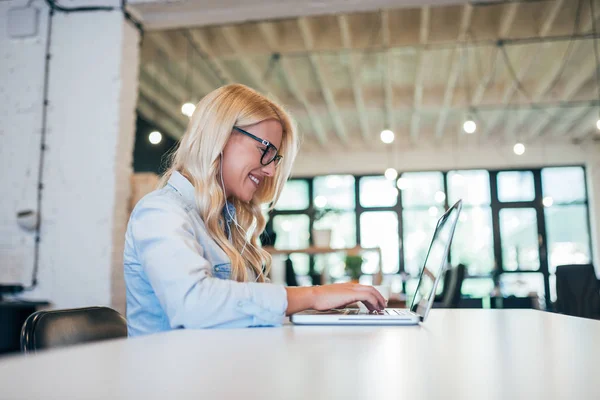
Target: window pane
471,186
294,196
378,191
473,243
518,230
300,263
334,191
343,229
418,227
291,230
567,235
564,184
420,188
522,285
331,264
380,229
477,288
515,186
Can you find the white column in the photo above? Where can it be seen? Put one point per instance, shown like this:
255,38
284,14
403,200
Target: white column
90,125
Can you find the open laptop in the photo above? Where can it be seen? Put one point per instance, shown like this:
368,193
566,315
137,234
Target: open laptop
433,269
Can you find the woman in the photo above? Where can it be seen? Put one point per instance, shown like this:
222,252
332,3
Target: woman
192,259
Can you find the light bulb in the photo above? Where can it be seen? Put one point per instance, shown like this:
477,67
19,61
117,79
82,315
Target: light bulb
433,211
155,137
320,201
470,126
188,109
439,197
387,136
548,201
519,149
598,124
391,174
402,183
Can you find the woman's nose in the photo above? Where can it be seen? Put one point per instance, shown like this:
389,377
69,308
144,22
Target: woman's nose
268,170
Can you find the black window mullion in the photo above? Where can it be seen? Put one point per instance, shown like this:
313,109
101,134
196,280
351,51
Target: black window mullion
496,237
542,237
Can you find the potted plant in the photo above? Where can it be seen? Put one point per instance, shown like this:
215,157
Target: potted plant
354,267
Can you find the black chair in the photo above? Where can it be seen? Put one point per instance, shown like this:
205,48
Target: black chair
577,291
60,328
451,291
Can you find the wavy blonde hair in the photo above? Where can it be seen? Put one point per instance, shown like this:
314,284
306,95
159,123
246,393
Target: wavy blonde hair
198,159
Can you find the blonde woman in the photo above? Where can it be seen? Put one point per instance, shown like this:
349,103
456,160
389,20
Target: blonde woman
192,258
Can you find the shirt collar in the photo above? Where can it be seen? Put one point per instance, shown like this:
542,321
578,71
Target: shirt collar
184,187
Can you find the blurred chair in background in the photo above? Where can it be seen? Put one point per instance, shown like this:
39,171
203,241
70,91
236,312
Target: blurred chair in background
577,291
60,328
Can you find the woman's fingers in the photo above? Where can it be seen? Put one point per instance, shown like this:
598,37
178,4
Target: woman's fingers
380,300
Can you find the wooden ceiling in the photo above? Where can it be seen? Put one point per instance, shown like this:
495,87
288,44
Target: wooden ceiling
524,71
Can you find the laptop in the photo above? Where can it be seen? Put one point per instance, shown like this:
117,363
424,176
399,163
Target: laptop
433,268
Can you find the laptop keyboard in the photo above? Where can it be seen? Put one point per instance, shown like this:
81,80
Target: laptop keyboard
387,311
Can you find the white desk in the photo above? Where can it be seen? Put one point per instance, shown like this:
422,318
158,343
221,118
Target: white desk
456,354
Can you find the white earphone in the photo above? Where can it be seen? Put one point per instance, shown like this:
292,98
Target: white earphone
240,229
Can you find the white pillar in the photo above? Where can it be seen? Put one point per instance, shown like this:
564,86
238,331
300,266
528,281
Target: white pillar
89,134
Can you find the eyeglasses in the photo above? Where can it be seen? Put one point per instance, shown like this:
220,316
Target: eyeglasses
269,154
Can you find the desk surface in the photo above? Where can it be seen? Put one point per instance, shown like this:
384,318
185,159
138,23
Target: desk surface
478,354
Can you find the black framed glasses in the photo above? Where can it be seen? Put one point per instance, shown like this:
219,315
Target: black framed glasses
269,153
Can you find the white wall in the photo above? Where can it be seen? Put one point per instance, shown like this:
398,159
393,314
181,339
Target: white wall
87,166
490,157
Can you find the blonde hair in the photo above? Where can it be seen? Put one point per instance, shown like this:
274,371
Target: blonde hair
198,159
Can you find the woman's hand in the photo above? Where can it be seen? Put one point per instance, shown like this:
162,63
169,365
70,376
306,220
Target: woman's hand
333,296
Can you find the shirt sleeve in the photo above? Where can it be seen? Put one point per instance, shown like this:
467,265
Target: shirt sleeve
181,277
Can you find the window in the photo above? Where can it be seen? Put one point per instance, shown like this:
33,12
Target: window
418,228
380,229
515,186
419,189
518,232
378,191
473,243
334,191
291,230
566,214
500,213
294,196
564,185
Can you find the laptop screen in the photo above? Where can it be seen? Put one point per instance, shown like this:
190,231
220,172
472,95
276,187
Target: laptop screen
435,261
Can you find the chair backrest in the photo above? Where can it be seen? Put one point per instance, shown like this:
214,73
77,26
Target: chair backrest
577,291
59,328
452,286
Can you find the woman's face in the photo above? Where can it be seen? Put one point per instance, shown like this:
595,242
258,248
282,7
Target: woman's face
243,173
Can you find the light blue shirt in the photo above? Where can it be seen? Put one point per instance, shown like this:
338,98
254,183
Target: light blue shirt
178,277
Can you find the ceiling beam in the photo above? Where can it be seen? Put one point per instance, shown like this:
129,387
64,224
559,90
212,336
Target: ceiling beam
415,118
584,73
569,121
550,18
169,14
309,44
150,92
585,126
150,111
200,86
506,22
232,38
268,33
548,82
456,64
354,78
198,38
387,72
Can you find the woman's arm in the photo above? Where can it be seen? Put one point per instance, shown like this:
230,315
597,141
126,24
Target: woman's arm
332,296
